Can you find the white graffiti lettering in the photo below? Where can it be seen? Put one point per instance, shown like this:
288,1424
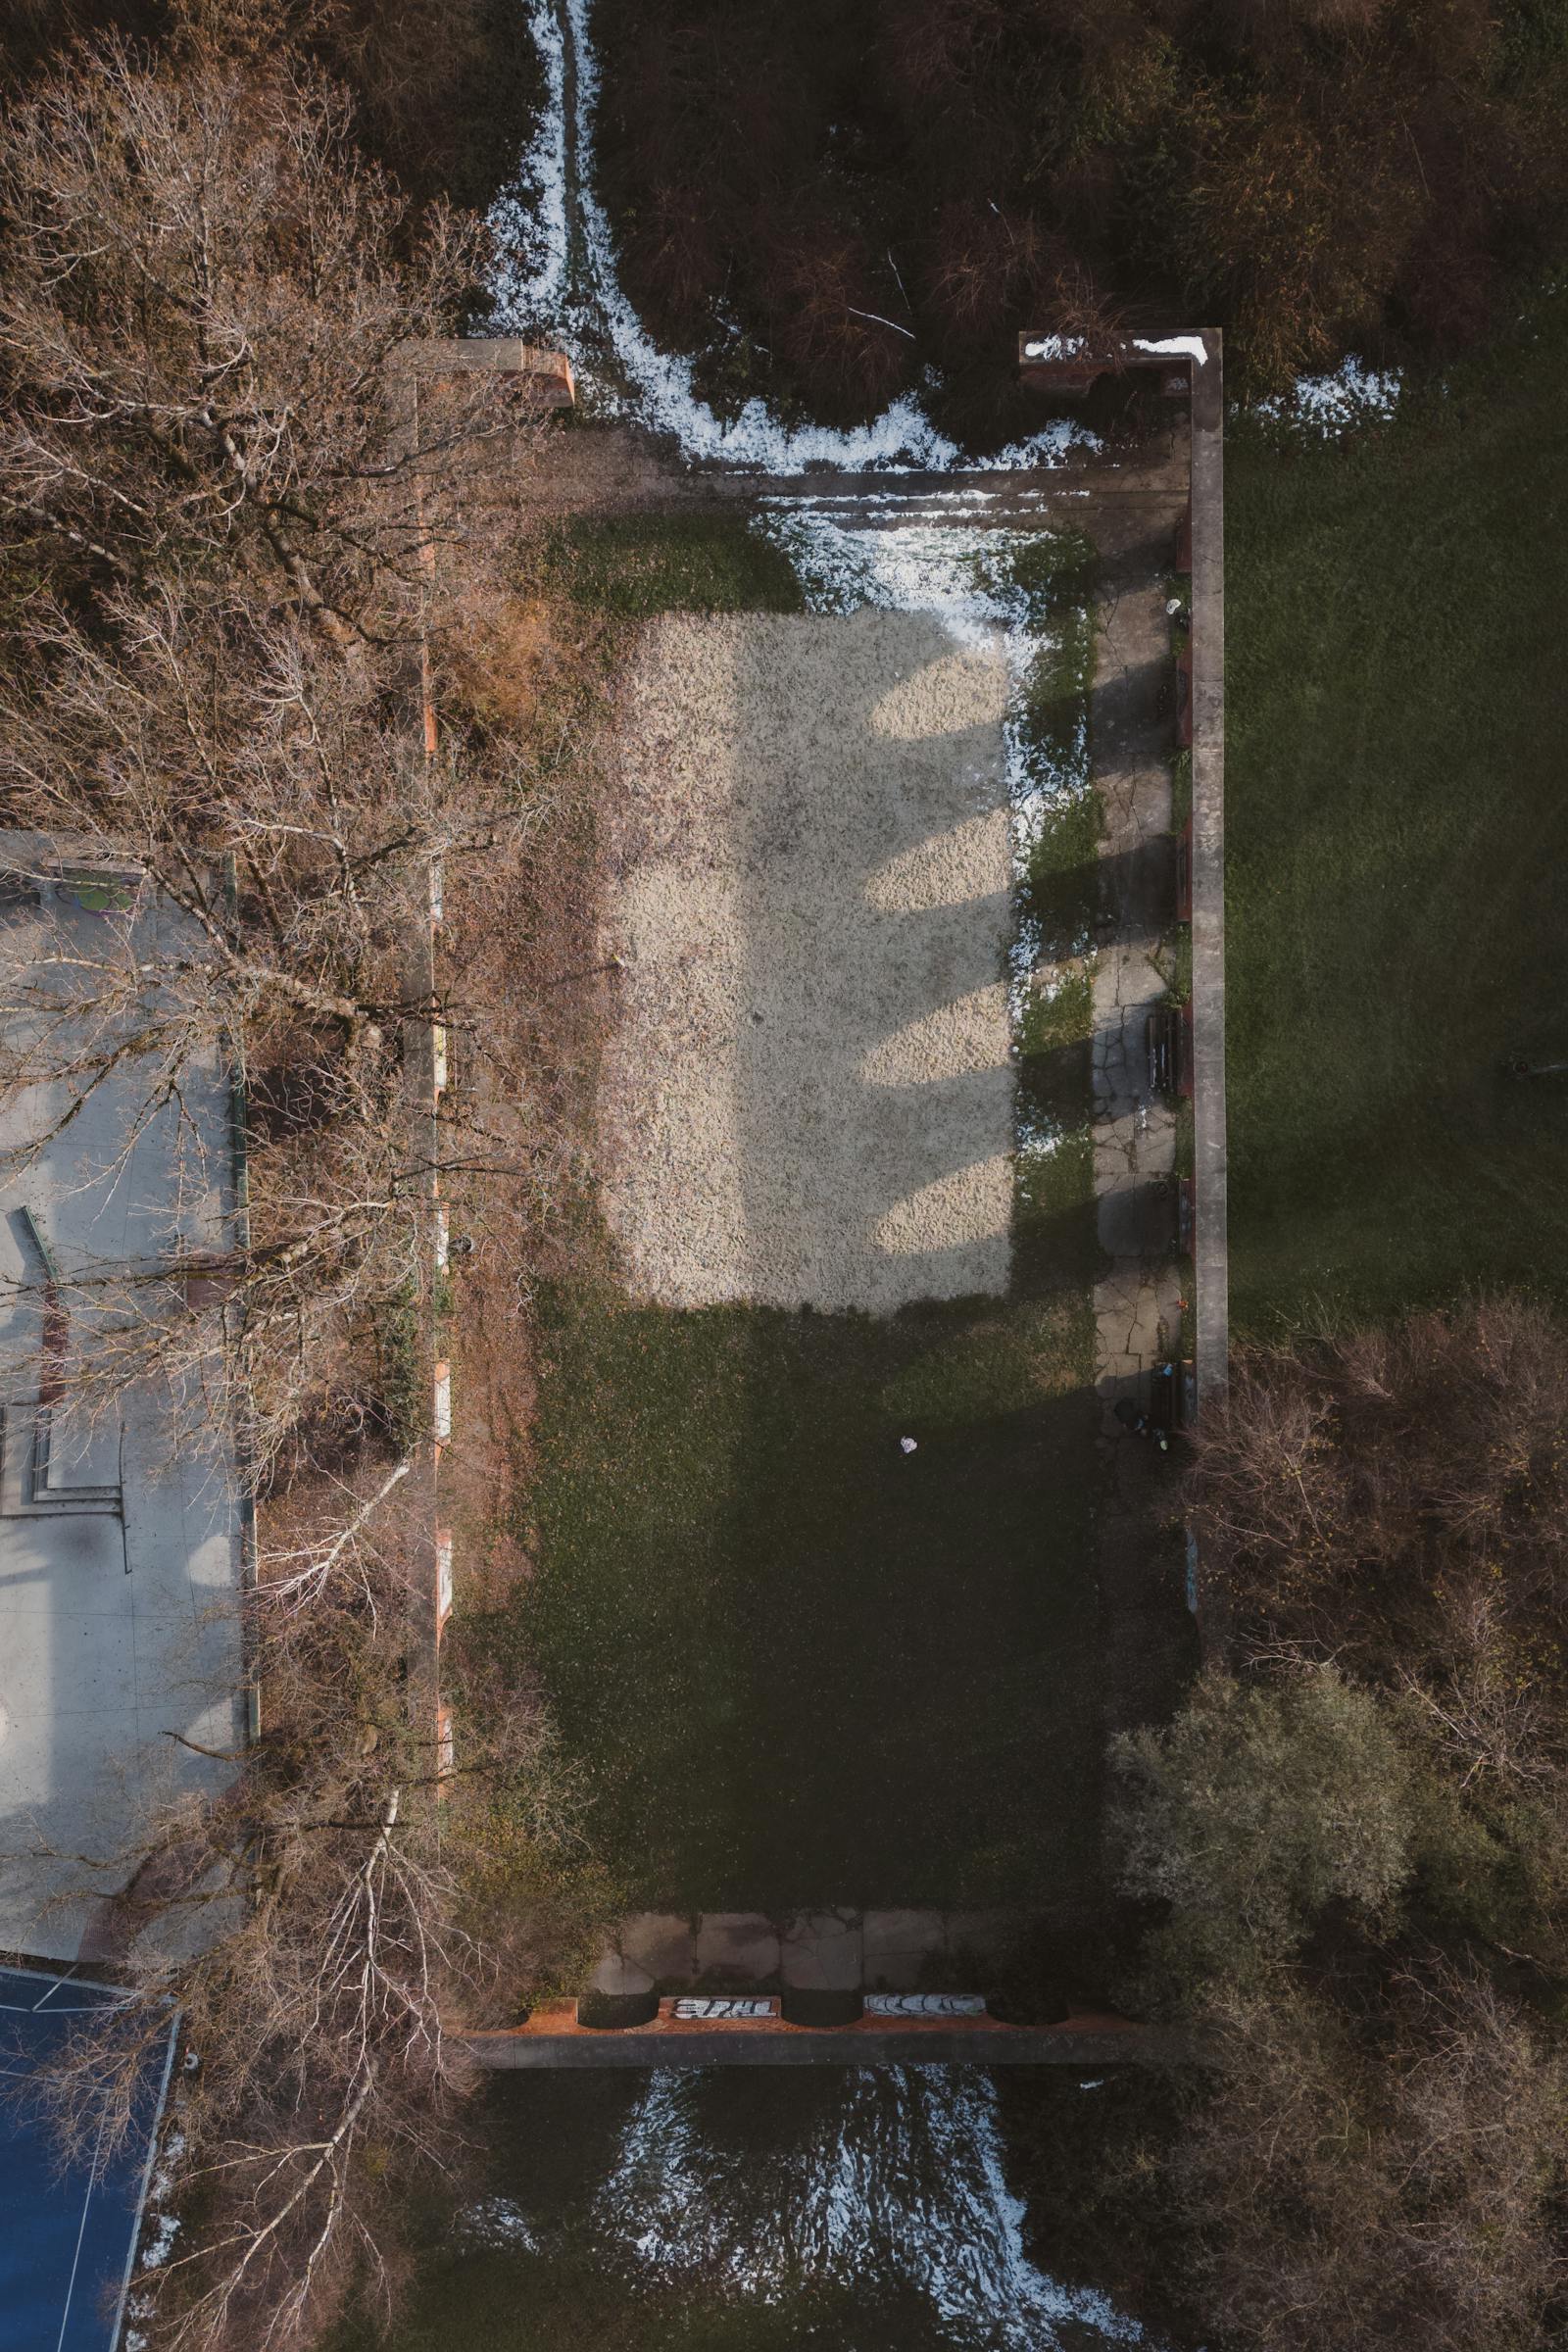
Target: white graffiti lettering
925,2004
715,2009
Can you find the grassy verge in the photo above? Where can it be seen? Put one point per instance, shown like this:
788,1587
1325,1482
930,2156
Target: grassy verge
1055,1238
1050,578
800,1665
1398,706
632,567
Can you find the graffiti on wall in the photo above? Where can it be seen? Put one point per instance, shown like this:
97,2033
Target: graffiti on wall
925,2004
715,2009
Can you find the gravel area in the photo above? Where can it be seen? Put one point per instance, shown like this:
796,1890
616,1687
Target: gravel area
808,1097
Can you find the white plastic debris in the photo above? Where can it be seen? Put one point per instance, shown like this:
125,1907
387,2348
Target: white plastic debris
906,1445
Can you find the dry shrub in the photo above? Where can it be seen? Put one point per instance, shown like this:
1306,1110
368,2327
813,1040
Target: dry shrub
1295,229
1376,2185
1307,175
1399,1501
982,260
833,321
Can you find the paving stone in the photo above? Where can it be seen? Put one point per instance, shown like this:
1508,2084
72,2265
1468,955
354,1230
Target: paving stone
662,1943
822,1951
1133,1220
617,1974
736,1948
899,1948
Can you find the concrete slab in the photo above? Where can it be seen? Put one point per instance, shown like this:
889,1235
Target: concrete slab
736,1948
900,1947
663,1944
822,1951
981,1937
619,1977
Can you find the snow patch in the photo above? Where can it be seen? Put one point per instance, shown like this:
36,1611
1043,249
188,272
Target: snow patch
1327,405
1174,347
529,222
549,282
498,2221
1055,346
901,2178
156,2252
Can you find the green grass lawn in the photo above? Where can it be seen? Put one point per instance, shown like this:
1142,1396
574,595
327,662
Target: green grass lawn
799,1665
632,567
1397,888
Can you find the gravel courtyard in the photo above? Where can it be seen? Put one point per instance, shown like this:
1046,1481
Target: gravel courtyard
808,1097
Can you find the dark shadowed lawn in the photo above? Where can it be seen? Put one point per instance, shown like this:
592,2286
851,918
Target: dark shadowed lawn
801,1665
1397,885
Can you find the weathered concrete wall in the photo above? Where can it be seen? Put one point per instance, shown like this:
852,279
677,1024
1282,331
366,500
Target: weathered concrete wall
553,2037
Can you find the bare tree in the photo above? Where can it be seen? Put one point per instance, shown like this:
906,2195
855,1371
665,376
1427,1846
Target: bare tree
278,837
203,314
307,1920
258,542
1399,1501
1374,2185
243,554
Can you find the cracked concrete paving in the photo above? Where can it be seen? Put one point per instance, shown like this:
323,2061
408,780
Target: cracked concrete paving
1138,1296
1137,1308
844,1950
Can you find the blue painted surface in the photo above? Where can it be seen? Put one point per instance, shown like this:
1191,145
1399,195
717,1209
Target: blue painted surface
66,2239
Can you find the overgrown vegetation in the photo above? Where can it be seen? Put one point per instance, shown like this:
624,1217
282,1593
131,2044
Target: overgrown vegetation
822,200
442,89
1353,1847
230,563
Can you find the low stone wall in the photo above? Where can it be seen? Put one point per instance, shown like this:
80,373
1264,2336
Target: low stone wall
554,2037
